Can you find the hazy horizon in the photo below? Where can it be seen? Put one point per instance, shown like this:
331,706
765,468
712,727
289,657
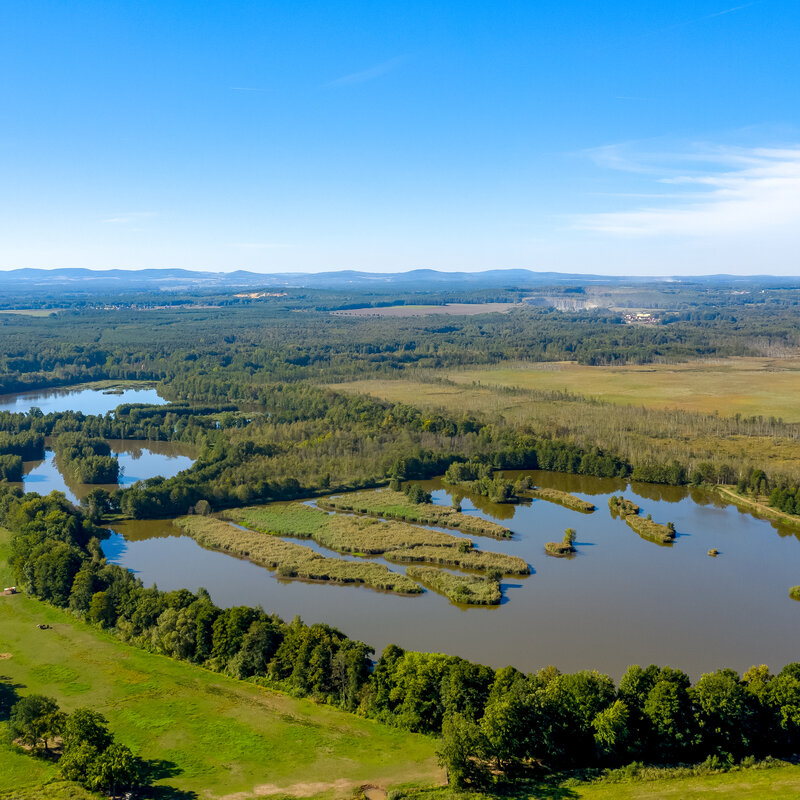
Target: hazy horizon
579,137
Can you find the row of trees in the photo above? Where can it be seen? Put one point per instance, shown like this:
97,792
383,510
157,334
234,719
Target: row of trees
488,719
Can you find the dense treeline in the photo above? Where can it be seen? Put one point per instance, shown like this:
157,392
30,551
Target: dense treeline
499,719
292,340
87,459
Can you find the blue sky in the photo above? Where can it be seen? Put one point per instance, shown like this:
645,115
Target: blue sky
612,137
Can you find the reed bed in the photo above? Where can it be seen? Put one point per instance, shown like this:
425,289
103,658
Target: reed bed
291,560
647,529
342,533
389,504
562,498
478,560
463,589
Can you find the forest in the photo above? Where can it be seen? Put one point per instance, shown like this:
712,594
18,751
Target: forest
255,387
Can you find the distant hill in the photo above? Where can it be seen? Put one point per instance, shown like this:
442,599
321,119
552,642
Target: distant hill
88,281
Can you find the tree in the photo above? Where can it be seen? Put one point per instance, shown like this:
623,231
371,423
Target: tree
113,770
460,752
86,726
611,728
35,719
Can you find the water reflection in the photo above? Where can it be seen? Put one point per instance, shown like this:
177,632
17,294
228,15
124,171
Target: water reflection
621,600
137,460
87,400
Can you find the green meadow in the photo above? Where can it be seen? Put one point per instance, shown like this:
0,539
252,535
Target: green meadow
203,732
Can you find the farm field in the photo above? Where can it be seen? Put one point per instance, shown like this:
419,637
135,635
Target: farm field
747,386
215,736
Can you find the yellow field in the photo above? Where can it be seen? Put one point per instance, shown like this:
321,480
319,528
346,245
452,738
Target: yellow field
749,386
649,431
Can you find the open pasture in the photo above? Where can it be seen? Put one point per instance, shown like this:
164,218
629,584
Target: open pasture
746,386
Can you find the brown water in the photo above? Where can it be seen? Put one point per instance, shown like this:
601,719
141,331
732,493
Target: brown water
621,600
138,460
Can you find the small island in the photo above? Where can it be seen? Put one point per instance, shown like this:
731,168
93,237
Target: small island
566,547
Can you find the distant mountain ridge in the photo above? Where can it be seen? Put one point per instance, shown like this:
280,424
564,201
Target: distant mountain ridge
88,281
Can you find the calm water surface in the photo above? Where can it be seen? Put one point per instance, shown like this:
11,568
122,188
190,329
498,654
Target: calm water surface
621,600
87,400
137,461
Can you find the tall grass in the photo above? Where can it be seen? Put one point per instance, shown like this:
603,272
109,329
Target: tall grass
562,498
478,560
291,560
396,505
467,590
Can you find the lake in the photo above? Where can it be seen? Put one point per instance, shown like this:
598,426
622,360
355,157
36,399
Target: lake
80,398
621,600
137,460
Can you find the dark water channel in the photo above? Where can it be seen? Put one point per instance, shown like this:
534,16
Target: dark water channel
621,600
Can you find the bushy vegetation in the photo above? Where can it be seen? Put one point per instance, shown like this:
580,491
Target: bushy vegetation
87,459
292,560
462,589
394,505
565,547
622,507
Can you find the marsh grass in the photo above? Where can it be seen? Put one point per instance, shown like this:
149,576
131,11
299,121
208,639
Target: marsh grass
346,534
291,560
396,505
562,498
477,560
463,589
653,531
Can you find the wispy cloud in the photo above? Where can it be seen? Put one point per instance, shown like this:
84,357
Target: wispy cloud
724,191
369,74
129,217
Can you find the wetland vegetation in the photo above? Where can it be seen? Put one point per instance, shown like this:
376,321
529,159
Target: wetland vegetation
291,560
396,505
284,401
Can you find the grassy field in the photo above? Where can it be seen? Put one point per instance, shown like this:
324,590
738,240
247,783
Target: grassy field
775,783
292,560
29,312
396,505
749,386
214,736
